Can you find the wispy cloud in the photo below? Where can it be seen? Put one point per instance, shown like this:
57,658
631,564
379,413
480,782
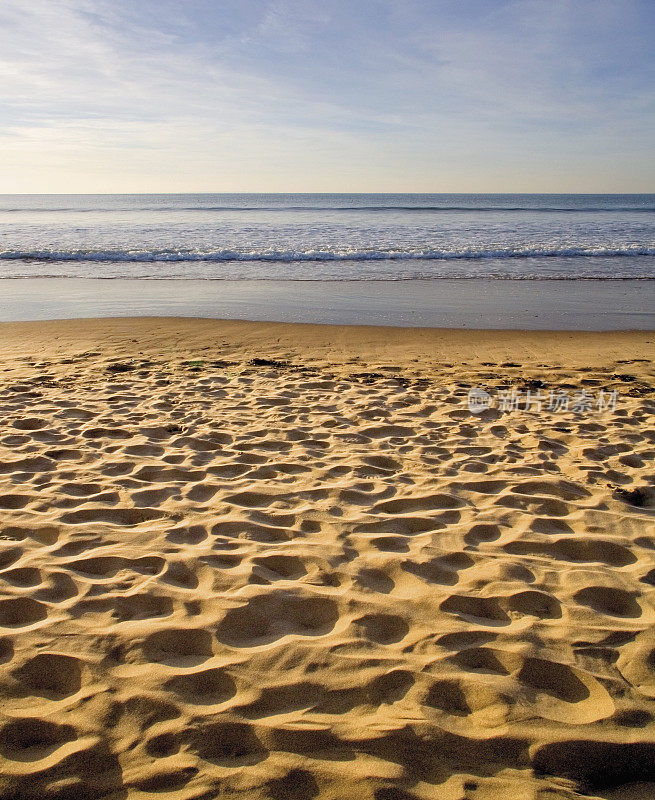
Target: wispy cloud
102,95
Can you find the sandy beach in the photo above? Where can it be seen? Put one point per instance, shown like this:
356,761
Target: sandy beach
285,562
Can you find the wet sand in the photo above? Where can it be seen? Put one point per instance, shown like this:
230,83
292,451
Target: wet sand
586,305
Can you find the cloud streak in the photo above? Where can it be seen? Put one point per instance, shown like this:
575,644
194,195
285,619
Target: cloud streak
379,95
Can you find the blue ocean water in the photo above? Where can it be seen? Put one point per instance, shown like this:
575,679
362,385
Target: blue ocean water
342,237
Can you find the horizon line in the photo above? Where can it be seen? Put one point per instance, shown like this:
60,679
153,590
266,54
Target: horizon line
117,194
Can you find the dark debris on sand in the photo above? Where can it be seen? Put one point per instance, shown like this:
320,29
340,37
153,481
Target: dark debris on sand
119,367
269,362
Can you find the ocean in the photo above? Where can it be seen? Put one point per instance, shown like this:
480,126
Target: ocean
328,237
437,260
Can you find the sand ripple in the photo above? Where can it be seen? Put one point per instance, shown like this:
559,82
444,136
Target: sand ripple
302,580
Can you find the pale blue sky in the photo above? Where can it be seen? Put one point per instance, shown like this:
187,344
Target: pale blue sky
331,95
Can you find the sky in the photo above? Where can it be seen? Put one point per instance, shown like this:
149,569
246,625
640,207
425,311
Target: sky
327,96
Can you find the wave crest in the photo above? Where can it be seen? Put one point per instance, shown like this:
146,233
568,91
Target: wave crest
291,256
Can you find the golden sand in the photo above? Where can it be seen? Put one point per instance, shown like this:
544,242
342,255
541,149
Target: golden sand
323,577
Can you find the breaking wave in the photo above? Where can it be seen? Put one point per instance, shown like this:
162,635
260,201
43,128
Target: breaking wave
291,256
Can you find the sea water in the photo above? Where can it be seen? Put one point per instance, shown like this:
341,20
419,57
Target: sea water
328,237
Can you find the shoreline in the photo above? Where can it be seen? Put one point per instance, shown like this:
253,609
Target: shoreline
445,303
